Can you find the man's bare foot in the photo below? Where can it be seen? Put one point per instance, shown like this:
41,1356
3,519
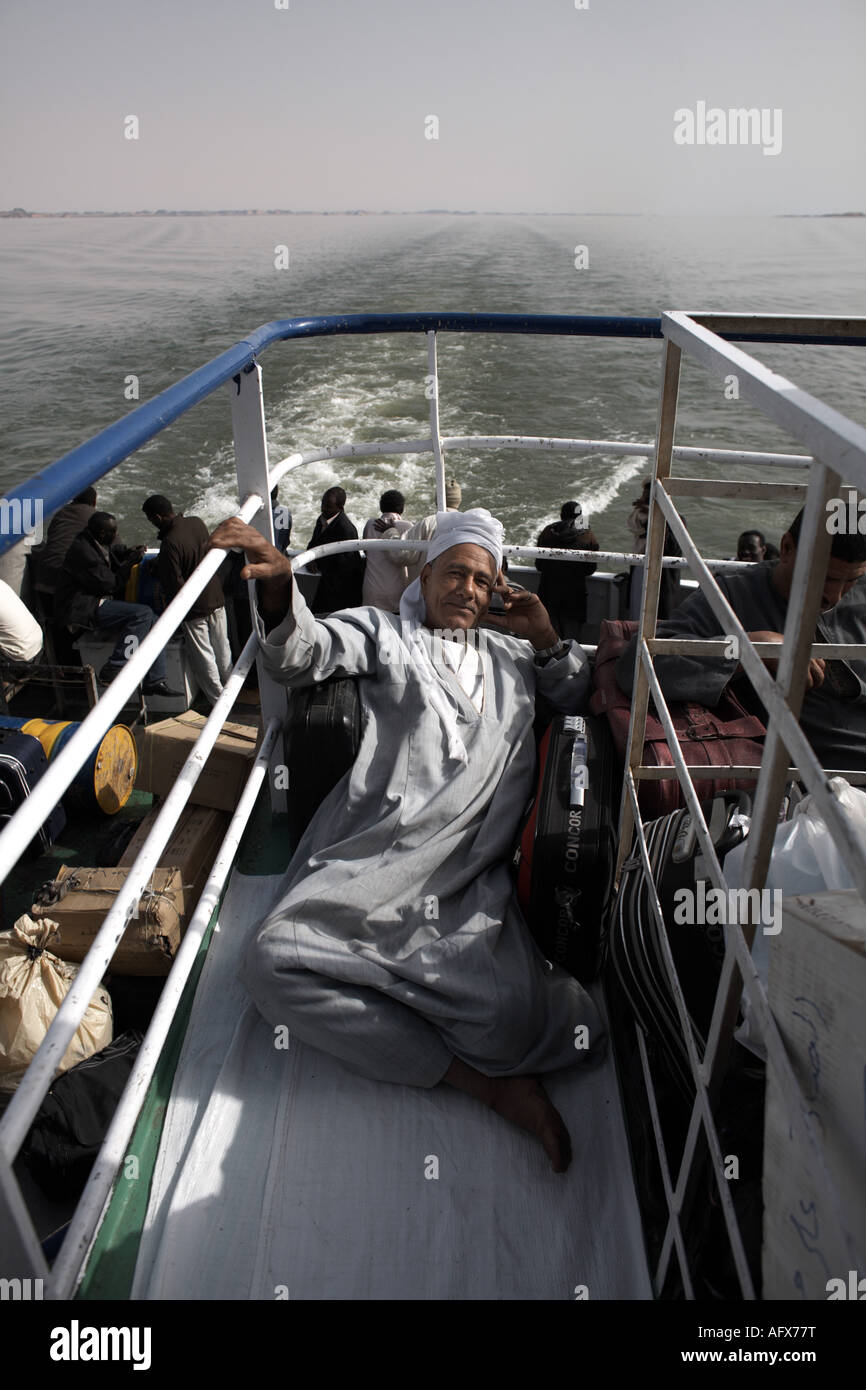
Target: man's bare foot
520,1099
524,1101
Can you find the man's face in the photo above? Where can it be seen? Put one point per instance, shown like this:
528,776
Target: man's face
108,534
840,577
458,586
330,505
154,519
750,548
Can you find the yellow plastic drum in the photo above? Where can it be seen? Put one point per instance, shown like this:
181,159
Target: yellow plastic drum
107,778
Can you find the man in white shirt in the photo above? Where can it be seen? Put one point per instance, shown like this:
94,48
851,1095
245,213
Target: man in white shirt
20,634
384,581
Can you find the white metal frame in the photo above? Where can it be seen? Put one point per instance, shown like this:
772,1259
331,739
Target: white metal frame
839,448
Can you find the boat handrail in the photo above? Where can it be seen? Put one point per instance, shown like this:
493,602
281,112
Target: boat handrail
839,447
55,485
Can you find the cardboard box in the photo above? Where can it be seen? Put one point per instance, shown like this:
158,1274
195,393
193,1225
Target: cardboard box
150,942
192,844
816,991
163,749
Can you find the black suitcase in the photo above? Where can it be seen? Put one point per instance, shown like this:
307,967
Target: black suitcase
22,763
697,948
567,850
323,734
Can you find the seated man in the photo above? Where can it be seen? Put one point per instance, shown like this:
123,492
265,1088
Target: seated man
20,634
834,707
397,945
88,595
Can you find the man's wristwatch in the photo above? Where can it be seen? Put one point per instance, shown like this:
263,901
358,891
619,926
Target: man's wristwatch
552,653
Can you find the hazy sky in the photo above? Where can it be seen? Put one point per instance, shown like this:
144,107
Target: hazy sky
541,106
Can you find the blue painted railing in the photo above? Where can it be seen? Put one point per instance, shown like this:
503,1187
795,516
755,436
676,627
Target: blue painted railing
57,484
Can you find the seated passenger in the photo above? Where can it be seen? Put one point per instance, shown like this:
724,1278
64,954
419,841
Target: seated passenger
396,945
20,634
89,595
834,707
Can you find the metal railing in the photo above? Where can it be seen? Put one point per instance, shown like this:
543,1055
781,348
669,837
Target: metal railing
239,370
839,448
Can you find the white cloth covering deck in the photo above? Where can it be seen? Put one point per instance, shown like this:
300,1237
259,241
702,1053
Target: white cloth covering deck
281,1174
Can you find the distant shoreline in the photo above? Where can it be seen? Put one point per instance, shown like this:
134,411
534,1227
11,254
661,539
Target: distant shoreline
19,213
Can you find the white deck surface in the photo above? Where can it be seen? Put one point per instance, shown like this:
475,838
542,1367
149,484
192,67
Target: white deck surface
280,1174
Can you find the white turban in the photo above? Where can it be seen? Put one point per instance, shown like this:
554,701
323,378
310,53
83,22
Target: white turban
475,527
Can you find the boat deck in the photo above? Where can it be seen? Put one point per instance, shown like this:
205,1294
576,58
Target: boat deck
279,1174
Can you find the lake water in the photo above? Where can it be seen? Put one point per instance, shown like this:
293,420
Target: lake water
88,302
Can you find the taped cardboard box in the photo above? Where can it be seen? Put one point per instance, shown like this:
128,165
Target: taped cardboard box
151,940
163,749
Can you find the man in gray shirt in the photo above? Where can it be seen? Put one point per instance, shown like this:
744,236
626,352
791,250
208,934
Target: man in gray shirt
834,707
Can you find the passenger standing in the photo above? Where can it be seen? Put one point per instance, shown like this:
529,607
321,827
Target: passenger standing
423,530
184,541
384,581
562,588
282,519
342,575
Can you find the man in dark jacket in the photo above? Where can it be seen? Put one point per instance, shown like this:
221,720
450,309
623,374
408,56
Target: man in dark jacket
184,541
342,575
65,526
88,595
562,588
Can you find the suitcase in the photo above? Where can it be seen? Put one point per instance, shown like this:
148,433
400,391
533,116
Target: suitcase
567,850
22,763
323,734
697,948
727,735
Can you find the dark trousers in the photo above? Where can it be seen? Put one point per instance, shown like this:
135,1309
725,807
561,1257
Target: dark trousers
135,621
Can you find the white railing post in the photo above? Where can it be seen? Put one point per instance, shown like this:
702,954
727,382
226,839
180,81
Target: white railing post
251,458
435,436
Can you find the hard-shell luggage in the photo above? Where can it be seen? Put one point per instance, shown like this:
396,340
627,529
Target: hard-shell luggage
727,735
22,763
697,945
323,734
567,851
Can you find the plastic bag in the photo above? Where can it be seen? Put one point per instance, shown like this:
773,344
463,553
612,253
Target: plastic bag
33,985
805,858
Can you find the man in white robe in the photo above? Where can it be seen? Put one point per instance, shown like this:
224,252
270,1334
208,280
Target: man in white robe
397,945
